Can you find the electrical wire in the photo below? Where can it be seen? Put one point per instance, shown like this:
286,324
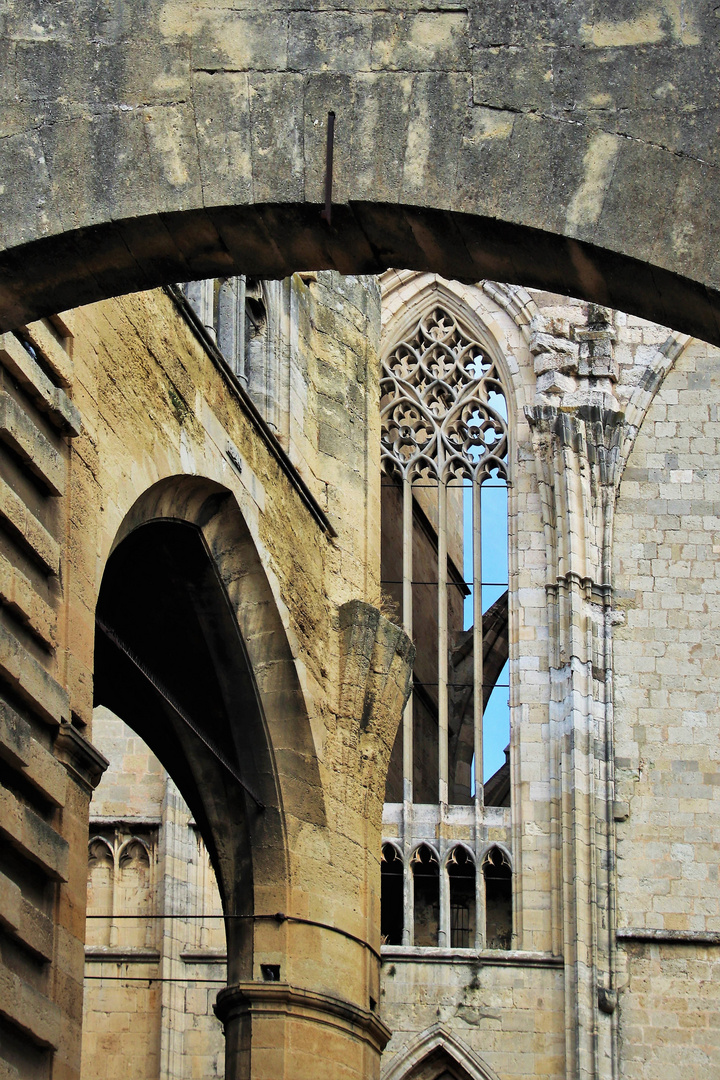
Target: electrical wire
165,694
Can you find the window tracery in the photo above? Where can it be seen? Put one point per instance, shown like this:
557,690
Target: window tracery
439,398
444,433
445,436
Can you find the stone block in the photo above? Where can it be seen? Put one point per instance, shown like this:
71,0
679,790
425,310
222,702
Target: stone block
27,676
49,398
19,432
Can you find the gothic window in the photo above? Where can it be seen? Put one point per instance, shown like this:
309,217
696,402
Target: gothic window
100,892
461,878
120,889
391,897
134,894
497,874
444,457
426,896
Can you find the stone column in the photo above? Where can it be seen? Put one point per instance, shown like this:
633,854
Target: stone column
577,433
309,1011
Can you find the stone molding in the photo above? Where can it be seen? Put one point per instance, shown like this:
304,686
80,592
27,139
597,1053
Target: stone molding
270,1000
98,954
431,1041
81,759
415,954
669,937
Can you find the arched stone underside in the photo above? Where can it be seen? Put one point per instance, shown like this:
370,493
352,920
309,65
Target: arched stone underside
574,150
275,240
192,653
183,605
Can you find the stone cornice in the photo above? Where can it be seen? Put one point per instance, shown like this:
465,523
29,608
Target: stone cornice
669,937
275,999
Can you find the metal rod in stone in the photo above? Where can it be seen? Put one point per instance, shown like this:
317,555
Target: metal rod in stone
327,212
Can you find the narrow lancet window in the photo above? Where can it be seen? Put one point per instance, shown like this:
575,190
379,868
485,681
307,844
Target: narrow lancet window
497,873
461,877
134,895
444,455
100,893
426,890
391,896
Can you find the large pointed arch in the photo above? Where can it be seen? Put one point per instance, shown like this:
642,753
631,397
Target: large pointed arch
437,1054
191,653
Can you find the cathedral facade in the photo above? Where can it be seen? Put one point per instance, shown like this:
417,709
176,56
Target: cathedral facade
514,725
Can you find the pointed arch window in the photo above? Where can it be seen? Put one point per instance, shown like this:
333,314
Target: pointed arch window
392,896
134,893
497,875
426,896
461,879
101,865
444,450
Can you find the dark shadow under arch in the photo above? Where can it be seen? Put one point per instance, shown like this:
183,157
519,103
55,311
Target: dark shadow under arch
168,654
192,654
274,240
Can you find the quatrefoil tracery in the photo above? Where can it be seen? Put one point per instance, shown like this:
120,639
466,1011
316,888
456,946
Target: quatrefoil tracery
437,418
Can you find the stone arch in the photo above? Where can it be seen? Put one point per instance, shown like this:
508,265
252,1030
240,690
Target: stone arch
455,845
503,848
254,761
107,257
437,1054
662,363
431,848
196,147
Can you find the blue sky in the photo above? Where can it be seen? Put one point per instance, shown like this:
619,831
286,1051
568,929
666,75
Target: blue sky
496,726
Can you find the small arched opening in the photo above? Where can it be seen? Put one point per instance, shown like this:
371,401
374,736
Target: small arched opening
101,879
426,896
497,875
135,894
461,878
391,896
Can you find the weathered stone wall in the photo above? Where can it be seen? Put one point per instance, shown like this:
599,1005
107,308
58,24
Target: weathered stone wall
511,1019
667,727
160,425
165,1028
152,406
